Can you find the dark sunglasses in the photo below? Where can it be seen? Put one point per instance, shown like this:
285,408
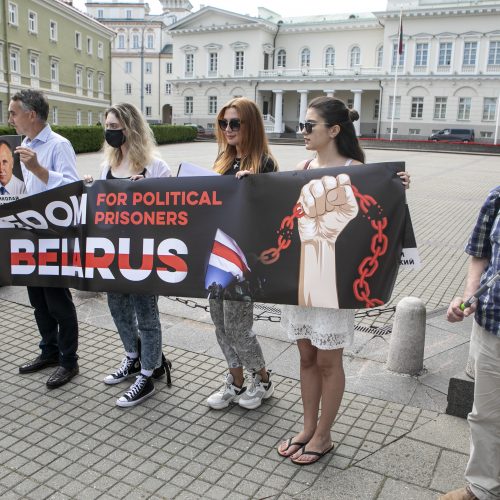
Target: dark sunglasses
234,124
309,126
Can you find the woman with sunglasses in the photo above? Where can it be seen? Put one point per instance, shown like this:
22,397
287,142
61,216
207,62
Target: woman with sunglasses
130,153
243,150
322,333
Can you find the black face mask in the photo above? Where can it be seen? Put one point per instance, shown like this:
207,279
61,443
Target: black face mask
114,138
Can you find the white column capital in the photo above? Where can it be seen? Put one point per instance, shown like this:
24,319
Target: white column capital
277,91
302,91
357,91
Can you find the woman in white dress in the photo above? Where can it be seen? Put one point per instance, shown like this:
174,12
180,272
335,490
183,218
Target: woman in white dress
322,333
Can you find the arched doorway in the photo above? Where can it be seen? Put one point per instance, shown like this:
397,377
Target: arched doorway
166,114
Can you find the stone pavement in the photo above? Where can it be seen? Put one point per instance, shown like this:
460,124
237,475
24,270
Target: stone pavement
392,437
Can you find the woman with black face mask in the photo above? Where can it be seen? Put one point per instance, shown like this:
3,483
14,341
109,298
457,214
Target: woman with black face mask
130,153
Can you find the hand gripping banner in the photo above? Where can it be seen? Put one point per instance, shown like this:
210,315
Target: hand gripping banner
328,237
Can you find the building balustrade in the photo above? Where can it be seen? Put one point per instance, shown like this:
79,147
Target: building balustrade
329,71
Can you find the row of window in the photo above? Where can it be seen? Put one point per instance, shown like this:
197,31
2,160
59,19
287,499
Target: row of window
136,41
53,32
79,115
148,88
148,67
440,108
189,105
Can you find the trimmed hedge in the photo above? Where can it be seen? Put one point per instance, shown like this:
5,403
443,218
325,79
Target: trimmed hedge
90,139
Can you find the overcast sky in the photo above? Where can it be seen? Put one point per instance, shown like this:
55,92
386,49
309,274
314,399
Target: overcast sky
287,8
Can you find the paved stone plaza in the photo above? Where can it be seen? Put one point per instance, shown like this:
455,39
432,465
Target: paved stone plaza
392,437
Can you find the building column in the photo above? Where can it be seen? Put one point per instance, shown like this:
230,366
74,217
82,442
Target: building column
357,106
329,93
303,105
278,111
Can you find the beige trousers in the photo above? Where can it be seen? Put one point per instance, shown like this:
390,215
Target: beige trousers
483,469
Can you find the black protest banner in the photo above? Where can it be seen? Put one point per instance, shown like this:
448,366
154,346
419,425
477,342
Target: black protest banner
326,237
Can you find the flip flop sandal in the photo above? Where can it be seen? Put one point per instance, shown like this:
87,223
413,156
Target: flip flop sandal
288,444
317,454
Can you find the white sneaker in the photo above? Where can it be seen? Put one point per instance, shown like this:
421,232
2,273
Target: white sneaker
227,394
258,390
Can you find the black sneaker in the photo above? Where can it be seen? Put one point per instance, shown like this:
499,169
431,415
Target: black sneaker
140,390
129,368
164,369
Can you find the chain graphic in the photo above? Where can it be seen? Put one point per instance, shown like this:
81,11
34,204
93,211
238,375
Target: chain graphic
372,211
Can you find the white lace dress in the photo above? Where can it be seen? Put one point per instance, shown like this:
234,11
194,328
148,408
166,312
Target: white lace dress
325,328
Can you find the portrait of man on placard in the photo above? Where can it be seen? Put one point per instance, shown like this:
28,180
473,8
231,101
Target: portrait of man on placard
11,177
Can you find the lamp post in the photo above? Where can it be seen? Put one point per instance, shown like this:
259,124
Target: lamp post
146,24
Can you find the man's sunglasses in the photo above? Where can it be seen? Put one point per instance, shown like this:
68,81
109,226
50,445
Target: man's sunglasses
234,124
309,126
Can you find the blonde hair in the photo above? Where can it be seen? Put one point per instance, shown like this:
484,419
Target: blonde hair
140,139
254,146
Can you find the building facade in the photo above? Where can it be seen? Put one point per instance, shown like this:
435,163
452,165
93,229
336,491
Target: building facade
141,53
448,72
50,45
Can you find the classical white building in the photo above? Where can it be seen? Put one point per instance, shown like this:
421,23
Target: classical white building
449,71
141,54
181,66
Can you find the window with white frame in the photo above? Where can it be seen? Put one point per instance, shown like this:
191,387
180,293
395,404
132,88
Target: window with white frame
470,53
89,118
34,66
128,67
120,41
100,13
213,63
148,110
397,107
330,56
32,22
13,15
55,115
128,88
54,70
485,135
53,31
281,61
440,108
417,107
464,107
189,62
135,41
15,61
305,58
414,131
128,14
168,68
148,67
445,51
239,61
489,108
380,57
168,88
100,119
90,45
90,80
78,78
421,54
376,109
150,41
212,105
396,54
100,50
148,88
188,105
78,40
354,56
78,117
100,83
494,52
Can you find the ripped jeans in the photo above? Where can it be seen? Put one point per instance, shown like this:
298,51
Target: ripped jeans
233,322
137,315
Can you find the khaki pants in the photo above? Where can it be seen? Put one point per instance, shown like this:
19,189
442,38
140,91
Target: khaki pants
483,469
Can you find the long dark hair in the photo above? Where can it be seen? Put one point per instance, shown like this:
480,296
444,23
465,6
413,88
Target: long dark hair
334,112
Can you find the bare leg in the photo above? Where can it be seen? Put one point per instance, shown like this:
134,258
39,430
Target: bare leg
329,365
310,389
237,374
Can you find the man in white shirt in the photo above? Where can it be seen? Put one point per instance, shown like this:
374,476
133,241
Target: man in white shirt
47,161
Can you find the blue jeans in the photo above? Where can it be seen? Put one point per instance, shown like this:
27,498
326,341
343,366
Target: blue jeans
134,316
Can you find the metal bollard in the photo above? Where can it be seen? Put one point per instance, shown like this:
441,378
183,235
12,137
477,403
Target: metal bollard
406,349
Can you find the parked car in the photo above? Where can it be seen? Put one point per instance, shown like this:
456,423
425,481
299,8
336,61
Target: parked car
453,134
200,130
